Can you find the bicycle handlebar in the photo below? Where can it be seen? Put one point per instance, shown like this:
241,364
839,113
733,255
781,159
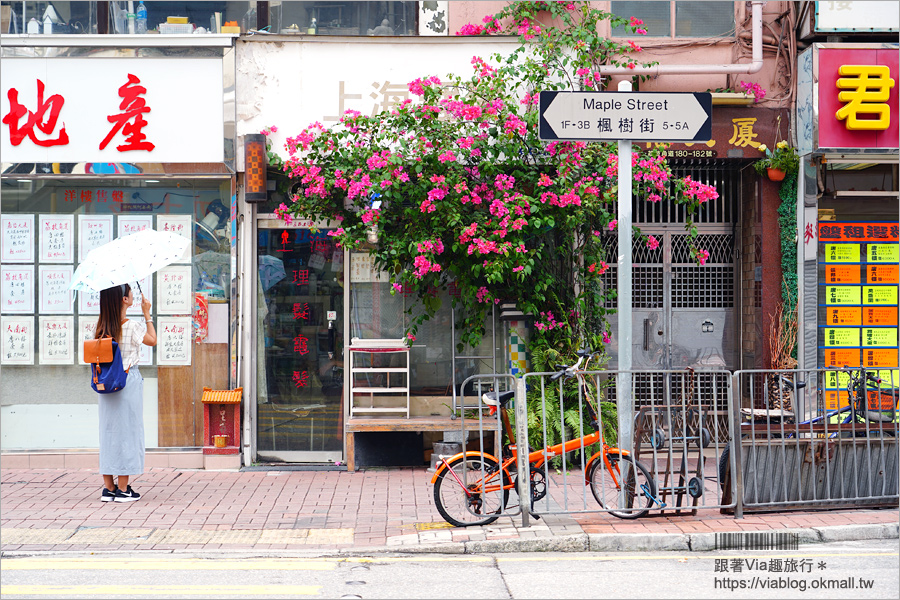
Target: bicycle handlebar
569,370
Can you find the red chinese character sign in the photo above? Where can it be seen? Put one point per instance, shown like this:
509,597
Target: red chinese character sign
130,110
858,91
130,121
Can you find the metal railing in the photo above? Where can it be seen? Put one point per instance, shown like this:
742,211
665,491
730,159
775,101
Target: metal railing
807,438
815,438
672,439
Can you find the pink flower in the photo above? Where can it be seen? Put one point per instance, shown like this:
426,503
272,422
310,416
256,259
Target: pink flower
469,29
702,256
612,224
397,287
410,337
605,338
517,269
652,242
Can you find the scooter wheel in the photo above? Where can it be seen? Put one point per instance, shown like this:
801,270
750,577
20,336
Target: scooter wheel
705,437
658,439
695,487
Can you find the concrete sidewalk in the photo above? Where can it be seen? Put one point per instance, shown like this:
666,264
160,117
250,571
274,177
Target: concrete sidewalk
339,512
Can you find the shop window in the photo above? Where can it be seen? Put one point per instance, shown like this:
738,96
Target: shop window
376,313
48,227
288,17
344,18
64,17
678,19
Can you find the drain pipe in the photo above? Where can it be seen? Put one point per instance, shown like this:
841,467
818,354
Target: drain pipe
753,67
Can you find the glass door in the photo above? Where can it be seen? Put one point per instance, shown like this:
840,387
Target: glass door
300,358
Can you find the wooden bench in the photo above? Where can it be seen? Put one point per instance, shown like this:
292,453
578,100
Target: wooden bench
356,425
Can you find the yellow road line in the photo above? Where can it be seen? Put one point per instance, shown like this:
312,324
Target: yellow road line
146,564
205,591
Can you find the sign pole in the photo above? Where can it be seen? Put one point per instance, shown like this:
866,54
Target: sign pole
624,402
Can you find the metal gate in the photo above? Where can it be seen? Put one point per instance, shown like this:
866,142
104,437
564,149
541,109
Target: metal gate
685,315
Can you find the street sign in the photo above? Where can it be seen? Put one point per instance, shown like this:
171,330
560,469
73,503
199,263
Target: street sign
637,116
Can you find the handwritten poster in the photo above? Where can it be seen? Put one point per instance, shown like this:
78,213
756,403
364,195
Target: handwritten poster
178,224
17,344
57,238
174,341
93,232
57,340
17,239
173,291
362,269
55,295
17,289
88,302
147,287
129,224
86,327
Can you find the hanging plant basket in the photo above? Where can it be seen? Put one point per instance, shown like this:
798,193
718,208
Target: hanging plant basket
775,174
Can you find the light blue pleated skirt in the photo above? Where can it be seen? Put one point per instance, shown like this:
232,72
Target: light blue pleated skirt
122,428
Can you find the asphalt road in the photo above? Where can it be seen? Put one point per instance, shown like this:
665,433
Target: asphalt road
859,570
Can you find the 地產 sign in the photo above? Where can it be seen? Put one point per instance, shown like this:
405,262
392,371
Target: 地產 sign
638,116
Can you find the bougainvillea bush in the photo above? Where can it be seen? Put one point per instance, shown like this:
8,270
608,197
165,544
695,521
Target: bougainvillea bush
457,188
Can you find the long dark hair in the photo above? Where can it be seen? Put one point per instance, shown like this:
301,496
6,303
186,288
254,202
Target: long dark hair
110,321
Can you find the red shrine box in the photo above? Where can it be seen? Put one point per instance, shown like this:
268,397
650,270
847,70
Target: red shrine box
222,419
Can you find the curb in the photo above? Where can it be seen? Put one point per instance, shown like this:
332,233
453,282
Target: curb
638,542
594,542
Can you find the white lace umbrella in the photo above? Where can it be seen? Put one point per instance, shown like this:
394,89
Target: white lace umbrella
127,259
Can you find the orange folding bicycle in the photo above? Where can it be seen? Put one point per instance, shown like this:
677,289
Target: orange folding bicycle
473,487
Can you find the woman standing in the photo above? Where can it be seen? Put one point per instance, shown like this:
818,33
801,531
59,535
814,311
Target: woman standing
122,413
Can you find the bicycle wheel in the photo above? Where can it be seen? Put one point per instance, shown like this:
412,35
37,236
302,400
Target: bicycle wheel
639,487
478,507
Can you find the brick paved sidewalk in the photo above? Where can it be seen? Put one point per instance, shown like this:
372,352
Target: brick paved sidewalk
60,510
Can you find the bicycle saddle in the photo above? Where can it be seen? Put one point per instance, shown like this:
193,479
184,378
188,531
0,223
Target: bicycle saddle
497,398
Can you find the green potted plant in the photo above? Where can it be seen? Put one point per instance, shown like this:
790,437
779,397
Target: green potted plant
779,163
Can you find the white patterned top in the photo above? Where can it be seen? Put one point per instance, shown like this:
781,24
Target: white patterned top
130,345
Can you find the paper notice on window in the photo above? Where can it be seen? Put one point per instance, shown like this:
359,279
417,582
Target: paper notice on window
146,357
57,341
173,291
88,302
86,328
147,287
17,344
337,261
180,225
17,289
17,239
362,269
93,232
57,238
173,346
129,224
54,293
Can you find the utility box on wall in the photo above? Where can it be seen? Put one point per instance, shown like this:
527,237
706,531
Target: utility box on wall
221,428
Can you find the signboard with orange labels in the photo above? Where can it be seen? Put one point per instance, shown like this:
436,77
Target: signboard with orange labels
859,273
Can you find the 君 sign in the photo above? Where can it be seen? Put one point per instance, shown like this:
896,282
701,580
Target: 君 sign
640,116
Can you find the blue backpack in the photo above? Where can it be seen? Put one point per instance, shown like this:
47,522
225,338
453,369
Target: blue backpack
107,372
